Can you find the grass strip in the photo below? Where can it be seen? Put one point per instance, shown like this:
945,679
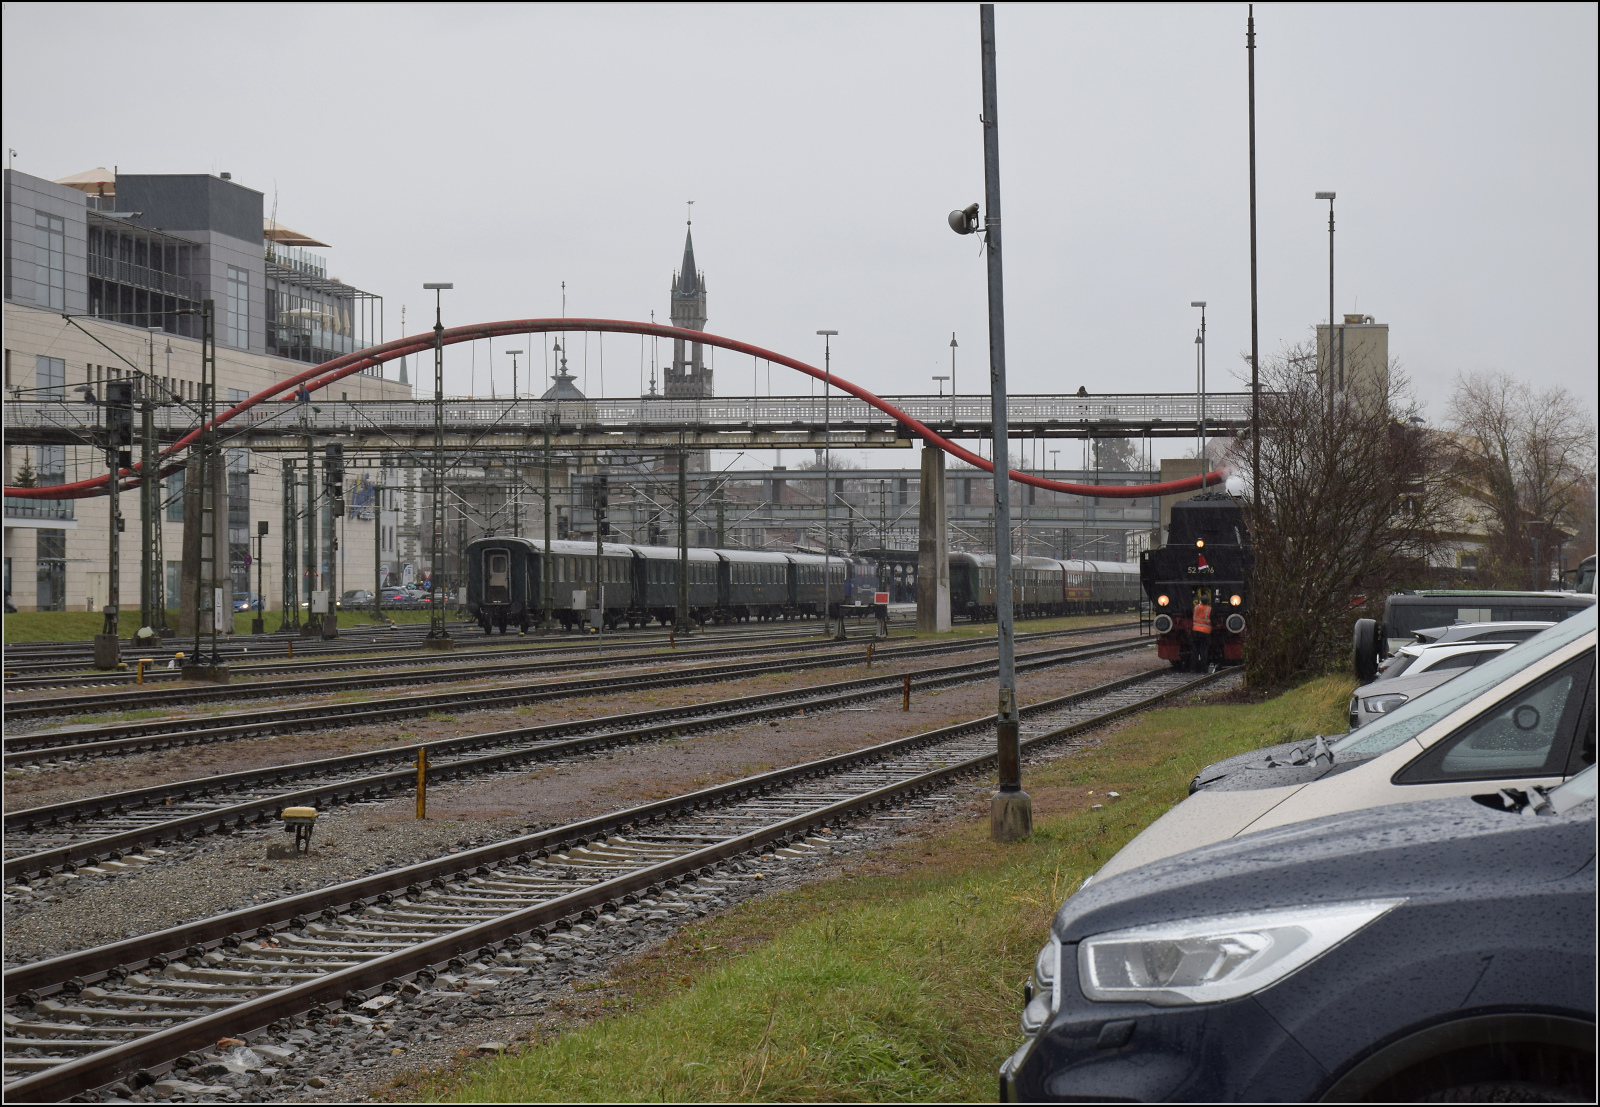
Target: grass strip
899,981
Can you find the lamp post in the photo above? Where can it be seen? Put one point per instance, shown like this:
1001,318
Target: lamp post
1335,380
1329,196
1200,381
1010,809
941,378
438,636
827,482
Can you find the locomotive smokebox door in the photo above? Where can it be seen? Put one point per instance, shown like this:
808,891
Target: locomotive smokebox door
301,821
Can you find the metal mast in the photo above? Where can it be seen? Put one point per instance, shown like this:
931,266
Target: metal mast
438,636
1011,810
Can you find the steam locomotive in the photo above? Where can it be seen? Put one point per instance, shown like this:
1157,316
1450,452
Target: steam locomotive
1207,558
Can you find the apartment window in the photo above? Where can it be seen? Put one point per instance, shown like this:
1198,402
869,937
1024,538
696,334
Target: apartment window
238,308
50,377
174,489
50,260
52,466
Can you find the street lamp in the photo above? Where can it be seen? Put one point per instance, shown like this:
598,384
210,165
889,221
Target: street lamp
1010,809
1200,379
827,481
438,636
1329,196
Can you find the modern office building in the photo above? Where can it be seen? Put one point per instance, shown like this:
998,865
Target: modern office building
105,273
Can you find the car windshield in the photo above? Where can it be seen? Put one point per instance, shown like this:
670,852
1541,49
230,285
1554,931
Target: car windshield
1412,718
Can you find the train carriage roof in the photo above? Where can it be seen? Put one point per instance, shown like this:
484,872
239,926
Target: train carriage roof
670,553
753,557
799,558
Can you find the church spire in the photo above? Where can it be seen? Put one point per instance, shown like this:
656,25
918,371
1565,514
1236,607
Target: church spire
688,276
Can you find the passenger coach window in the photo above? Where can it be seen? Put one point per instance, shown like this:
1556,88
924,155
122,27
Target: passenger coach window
1526,734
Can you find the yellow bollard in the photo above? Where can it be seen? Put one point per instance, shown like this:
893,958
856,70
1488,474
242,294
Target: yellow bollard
139,677
291,647
869,655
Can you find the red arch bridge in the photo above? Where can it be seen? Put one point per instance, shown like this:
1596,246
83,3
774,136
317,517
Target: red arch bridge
274,419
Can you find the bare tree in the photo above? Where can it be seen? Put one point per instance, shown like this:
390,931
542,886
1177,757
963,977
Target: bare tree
1526,462
1352,501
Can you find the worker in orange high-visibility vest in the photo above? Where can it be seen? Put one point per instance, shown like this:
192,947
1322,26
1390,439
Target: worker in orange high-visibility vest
1200,631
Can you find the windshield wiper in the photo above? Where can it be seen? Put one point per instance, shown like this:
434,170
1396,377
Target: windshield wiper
1307,755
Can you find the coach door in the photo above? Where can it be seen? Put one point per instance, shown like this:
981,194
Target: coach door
497,576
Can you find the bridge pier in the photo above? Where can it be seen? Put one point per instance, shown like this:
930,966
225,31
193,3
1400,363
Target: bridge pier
933,546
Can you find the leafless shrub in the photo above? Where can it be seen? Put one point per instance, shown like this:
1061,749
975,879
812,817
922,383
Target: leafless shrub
1352,502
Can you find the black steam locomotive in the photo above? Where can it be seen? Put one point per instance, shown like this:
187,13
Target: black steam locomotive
1206,559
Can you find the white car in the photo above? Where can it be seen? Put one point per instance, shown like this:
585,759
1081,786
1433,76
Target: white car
1524,719
1436,656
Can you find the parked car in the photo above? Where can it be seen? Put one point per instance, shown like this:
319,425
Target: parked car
355,598
1441,950
1436,656
1404,613
1523,719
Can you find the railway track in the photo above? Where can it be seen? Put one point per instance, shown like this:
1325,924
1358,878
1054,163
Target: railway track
72,669
445,669
442,671
130,1009
109,828
143,735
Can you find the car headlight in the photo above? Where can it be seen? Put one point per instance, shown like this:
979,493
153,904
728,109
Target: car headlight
1212,959
1044,988
1382,705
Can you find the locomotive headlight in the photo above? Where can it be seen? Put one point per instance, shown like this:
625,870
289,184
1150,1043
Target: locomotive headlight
1162,601
1199,543
1236,599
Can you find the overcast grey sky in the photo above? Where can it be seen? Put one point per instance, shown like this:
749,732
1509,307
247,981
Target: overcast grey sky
510,148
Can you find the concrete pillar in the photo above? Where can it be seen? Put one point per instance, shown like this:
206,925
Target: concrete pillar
933,546
192,549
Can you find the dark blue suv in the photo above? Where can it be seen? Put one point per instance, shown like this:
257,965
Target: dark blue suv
1442,950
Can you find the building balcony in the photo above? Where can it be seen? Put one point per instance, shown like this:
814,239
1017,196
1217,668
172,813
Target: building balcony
38,513
142,276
